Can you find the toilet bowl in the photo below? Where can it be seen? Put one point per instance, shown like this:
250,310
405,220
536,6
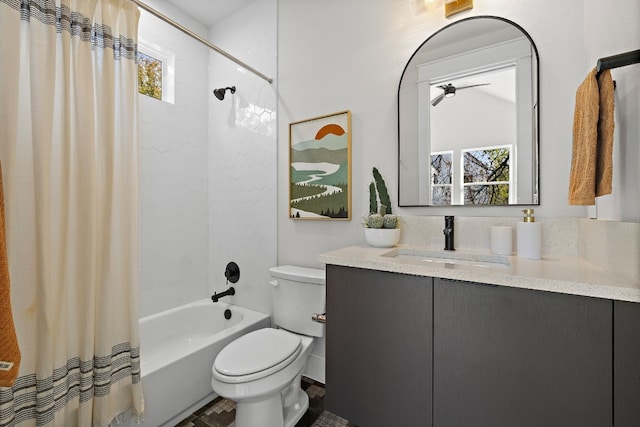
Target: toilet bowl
266,389
261,371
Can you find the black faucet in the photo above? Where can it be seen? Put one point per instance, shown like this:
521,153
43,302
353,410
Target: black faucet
448,233
215,297
232,273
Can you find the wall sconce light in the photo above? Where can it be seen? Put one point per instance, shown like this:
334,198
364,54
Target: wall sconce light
452,7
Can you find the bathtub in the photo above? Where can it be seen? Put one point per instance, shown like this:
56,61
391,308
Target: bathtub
177,350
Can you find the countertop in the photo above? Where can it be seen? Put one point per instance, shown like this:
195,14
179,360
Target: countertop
569,275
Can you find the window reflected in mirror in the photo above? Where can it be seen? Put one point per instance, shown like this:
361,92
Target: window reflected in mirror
487,176
442,173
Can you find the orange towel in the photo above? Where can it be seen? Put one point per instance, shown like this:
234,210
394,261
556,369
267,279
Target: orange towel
604,165
593,123
9,351
582,181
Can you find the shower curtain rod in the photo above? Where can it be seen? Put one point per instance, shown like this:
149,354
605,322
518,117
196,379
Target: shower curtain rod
200,39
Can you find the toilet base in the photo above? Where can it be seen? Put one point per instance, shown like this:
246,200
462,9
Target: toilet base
296,402
266,412
282,410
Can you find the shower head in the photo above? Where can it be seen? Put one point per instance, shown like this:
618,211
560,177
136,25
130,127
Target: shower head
219,93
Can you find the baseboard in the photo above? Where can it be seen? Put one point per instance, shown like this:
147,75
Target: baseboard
315,368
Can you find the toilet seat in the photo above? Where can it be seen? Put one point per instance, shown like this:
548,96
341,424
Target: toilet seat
256,355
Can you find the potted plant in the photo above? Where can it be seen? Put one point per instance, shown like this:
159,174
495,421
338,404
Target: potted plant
382,228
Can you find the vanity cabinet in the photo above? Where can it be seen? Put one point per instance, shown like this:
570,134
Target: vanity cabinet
378,348
626,363
516,357
408,350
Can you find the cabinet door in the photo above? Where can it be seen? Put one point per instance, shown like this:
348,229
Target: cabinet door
626,365
378,352
507,357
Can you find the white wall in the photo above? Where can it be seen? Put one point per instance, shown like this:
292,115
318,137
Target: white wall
611,28
173,156
242,155
336,55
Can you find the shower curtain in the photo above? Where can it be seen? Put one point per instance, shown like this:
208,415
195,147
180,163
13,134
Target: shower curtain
68,148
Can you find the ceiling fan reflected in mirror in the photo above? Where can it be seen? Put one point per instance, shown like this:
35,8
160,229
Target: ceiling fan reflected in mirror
449,91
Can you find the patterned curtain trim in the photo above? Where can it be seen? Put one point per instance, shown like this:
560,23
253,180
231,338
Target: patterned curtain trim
40,399
76,24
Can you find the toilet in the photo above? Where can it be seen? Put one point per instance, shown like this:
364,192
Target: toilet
261,371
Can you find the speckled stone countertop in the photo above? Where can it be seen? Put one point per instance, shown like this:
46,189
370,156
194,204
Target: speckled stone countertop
569,275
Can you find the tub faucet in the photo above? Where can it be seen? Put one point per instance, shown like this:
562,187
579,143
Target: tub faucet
216,296
448,233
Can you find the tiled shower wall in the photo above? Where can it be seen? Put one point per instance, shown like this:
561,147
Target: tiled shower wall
173,162
208,167
243,155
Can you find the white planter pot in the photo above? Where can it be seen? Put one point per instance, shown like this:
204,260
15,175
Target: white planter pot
382,237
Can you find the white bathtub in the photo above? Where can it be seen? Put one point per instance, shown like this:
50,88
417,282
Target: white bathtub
177,350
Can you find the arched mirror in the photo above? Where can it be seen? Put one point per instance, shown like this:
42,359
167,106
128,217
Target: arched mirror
468,117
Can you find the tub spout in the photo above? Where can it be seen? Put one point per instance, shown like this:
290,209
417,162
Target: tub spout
216,296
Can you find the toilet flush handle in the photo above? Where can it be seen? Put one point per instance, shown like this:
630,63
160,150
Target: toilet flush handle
320,318
274,283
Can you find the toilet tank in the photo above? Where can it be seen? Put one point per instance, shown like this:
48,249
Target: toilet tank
298,293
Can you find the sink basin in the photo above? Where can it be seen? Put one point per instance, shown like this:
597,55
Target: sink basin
446,259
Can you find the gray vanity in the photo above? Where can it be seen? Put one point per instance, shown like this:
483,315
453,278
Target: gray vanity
540,343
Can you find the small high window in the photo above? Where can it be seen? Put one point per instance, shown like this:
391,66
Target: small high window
156,77
149,75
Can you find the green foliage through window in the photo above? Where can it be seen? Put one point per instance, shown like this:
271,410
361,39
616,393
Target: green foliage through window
149,76
486,176
488,165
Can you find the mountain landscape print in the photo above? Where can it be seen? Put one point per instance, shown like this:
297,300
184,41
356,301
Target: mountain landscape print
320,168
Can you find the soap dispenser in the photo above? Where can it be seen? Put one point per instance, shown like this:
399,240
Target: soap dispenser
529,235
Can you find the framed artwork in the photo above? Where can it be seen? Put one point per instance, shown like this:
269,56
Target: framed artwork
451,7
320,167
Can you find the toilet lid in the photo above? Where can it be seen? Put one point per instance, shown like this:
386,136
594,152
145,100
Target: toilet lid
258,351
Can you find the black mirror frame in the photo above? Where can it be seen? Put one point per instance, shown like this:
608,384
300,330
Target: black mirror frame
537,115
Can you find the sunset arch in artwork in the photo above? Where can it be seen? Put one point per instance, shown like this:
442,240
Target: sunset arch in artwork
330,128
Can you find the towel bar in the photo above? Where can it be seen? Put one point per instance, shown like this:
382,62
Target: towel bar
619,60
